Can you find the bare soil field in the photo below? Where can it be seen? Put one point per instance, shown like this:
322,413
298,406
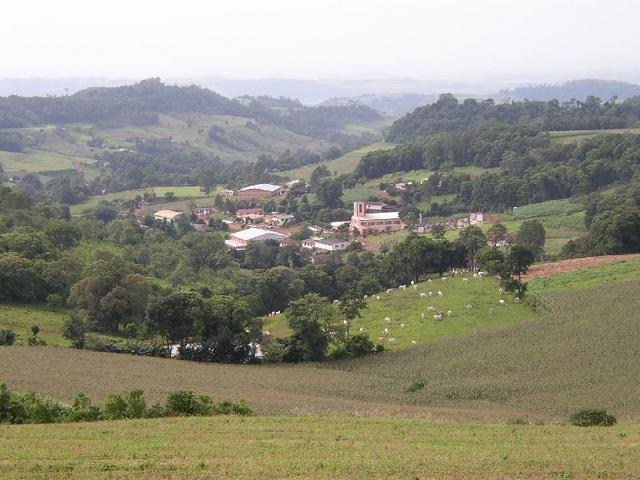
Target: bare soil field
575,264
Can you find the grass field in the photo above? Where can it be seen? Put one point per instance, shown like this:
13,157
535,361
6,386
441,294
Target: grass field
180,192
315,448
405,309
20,319
344,164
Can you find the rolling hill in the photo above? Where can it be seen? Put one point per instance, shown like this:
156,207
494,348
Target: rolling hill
55,135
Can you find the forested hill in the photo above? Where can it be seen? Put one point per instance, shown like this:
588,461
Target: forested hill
140,104
450,115
577,89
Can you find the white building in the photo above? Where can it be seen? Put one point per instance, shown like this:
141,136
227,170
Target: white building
331,244
240,240
167,215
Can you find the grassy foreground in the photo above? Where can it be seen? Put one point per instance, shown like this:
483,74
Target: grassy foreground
315,448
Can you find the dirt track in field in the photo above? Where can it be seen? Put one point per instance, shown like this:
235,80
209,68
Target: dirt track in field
575,264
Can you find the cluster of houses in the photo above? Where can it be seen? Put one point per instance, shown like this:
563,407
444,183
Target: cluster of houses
450,224
368,218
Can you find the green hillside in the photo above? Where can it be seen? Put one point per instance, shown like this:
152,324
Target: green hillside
344,164
405,308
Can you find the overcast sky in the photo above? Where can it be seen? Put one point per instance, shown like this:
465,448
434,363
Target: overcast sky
470,39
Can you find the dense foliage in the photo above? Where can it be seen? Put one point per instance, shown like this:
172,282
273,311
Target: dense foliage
447,114
18,408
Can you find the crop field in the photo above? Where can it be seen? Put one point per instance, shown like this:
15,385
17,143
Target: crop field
34,161
578,356
180,192
406,307
564,206
315,448
344,164
584,272
572,136
582,354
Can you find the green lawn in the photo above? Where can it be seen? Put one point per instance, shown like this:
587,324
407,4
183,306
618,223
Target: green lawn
315,448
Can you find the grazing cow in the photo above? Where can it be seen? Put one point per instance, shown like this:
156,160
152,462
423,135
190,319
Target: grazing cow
413,342
389,290
518,300
429,280
423,295
503,302
387,320
440,294
430,308
469,307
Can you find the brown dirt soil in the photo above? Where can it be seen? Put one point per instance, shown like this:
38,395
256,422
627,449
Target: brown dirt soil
575,264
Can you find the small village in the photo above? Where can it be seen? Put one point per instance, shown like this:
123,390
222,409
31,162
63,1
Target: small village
256,224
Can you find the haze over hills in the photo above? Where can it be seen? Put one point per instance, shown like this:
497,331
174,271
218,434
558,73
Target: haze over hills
575,89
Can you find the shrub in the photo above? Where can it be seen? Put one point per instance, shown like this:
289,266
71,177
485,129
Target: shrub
81,410
185,402
113,408
274,352
355,346
229,408
75,330
592,418
416,386
136,405
7,337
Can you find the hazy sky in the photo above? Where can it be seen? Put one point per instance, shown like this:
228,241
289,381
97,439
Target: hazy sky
464,39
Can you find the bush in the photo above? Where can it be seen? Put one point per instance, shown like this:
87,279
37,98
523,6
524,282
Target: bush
355,346
113,408
187,403
416,386
75,330
34,408
592,418
82,410
136,404
7,337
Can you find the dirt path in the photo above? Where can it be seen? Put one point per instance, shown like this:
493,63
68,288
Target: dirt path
552,268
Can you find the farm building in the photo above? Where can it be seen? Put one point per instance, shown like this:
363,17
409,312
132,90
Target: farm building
240,240
167,215
281,219
331,244
261,190
374,218
249,213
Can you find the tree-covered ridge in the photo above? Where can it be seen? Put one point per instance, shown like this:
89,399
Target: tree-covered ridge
576,89
142,102
447,114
